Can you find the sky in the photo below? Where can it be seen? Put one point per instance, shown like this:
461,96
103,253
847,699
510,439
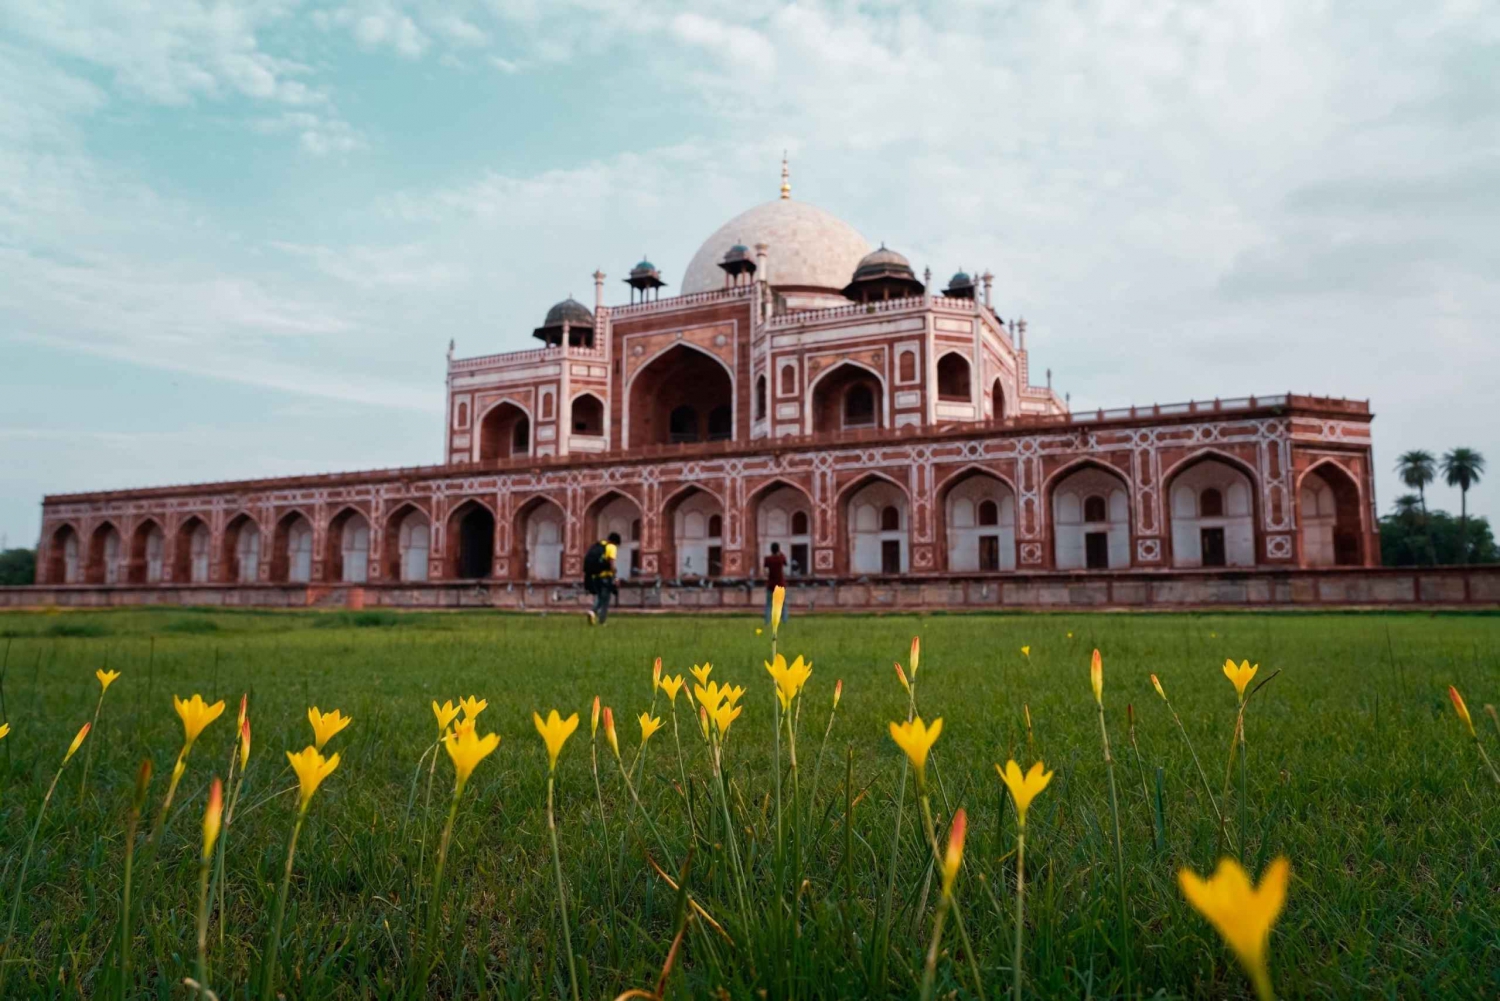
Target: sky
237,237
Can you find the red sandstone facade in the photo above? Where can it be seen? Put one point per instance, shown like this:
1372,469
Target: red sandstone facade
820,397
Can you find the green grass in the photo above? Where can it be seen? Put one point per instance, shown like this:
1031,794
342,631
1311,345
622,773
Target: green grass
1359,772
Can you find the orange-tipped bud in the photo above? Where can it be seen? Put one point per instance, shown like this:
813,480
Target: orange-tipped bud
1157,685
84,732
778,604
594,720
1462,710
1096,677
703,720
213,817
916,654
244,742
1130,714
901,676
954,858
656,675
142,785
838,692
239,723
609,731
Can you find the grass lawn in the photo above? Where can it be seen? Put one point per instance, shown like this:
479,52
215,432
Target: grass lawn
1359,772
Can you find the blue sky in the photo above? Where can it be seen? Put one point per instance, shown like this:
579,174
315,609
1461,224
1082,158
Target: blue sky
235,238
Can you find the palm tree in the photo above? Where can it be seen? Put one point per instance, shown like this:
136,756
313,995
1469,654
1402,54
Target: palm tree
1418,468
1408,507
1463,468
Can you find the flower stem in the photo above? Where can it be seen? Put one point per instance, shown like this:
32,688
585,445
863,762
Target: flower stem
1487,762
88,752
125,942
562,898
178,770
205,866
1114,811
614,930
1202,776
435,899
15,905
273,945
1020,908
929,971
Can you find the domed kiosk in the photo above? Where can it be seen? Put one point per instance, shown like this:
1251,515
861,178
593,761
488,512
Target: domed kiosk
568,320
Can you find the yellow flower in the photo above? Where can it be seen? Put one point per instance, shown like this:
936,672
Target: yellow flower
1026,652
4,729
244,742
1240,676
954,857
916,655
916,739
445,714
649,726
472,706
196,714
594,719
106,678
239,723
311,768
789,678
1157,685
77,742
656,675
609,731
1096,677
758,630
325,725
702,673
213,817
1070,636
1242,914
1462,710
838,692
778,601
460,728
1023,788
715,694
901,676
672,686
468,749
555,732
725,715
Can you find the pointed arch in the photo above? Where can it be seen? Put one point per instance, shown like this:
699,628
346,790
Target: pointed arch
292,548
1212,503
503,431
346,546
538,538
678,378
954,381
470,540
1089,513
616,510
826,402
192,561
977,515
691,545
64,555
1331,516
781,511
148,552
106,560
875,522
240,558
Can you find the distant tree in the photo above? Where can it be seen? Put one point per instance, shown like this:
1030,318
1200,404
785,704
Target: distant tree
1408,539
1417,468
17,567
1463,468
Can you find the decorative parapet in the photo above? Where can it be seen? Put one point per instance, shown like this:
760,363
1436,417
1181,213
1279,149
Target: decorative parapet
677,302
511,359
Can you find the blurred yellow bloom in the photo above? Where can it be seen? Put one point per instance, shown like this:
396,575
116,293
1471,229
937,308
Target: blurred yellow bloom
725,715
672,686
1157,685
325,725
106,678
609,731
715,694
460,728
953,859
594,719
758,630
1096,677
239,723
555,732
1023,788
213,817
702,673
472,706
789,678
244,742
468,749
445,714
656,675
4,729
838,692
916,655
778,602
196,714
1240,676
1462,710
1242,914
1070,636
649,725
77,742
311,768
916,739
1026,652
901,676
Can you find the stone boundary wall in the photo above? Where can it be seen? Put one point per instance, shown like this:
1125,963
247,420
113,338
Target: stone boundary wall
1382,587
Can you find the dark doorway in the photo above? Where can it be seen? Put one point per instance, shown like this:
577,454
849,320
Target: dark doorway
890,556
989,552
476,544
1096,550
715,561
799,559
1213,547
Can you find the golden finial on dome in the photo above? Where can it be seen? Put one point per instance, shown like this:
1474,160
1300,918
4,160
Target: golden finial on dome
786,179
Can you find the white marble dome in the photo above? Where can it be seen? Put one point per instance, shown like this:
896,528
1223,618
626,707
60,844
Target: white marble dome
808,246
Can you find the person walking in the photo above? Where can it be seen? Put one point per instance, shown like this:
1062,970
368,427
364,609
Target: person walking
599,576
775,577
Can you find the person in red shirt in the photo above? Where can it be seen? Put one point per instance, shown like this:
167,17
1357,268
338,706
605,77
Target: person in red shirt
775,577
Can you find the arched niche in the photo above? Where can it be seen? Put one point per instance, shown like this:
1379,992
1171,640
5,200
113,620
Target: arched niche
1212,505
617,513
1091,520
953,378
148,553
194,555
783,514
876,520
292,549
106,564
504,432
65,559
1330,524
408,544
471,541
979,518
348,556
697,520
240,560
588,415
679,398
540,529
848,397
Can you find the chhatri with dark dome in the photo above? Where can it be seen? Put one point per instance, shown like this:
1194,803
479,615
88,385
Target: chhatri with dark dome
804,389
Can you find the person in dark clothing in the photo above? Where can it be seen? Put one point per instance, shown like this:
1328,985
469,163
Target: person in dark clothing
775,577
599,576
